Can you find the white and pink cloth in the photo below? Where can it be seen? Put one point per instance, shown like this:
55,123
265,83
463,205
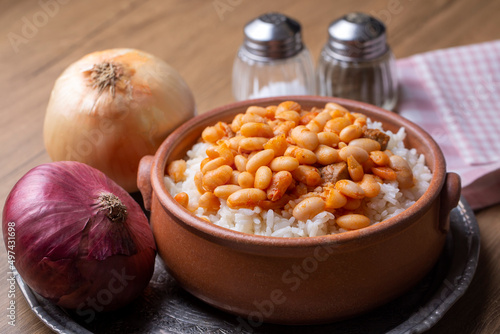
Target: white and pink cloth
454,94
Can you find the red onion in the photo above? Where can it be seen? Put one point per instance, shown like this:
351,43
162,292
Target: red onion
81,240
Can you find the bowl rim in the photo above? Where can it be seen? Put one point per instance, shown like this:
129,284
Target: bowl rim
242,241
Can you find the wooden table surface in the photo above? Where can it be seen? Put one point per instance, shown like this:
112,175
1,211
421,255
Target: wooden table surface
199,39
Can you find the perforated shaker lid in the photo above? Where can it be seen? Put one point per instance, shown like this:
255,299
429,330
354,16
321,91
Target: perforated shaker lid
357,36
272,36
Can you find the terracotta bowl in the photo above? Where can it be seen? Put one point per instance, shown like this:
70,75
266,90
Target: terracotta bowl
299,280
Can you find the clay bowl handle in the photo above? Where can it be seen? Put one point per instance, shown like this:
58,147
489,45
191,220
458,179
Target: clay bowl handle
450,195
144,180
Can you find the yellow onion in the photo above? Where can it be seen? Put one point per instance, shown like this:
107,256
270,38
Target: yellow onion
111,108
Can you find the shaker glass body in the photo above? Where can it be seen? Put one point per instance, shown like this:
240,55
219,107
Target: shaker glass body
275,77
372,81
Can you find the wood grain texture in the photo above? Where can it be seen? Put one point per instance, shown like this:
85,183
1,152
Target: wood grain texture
200,42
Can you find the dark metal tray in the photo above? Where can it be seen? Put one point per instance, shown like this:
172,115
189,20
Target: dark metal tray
164,307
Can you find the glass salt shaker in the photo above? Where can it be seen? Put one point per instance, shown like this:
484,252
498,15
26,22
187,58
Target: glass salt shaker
272,61
356,62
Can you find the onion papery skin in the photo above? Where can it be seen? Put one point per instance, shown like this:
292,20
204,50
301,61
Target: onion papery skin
112,127
67,249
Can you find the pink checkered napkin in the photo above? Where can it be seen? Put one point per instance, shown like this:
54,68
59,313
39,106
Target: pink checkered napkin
454,94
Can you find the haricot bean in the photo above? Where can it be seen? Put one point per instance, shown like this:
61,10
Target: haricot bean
261,158
380,158
252,118
350,117
236,124
204,162
350,189
335,113
198,182
335,106
288,115
322,118
318,123
212,164
385,173
328,138
246,180
308,175
404,174
217,177
353,221
176,170
252,143
278,144
367,144
306,117
234,142
350,133
337,124
209,202
355,169
271,111
225,153
225,190
283,128
335,199
182,198
308,208
326,155
359,115
235,174
314,126
240,162
288,105
273,156
261,111
357,152
361,122
211,152
284,163
279,184
263,177
370,185
303,155
246,198
253,129
304,137
212,134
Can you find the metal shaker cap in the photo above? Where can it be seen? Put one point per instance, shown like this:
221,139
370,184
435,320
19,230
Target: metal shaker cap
356,36
272,36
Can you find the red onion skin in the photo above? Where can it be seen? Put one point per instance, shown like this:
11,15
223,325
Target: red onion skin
67,249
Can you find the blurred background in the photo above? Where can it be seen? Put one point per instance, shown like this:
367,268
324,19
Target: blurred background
185,33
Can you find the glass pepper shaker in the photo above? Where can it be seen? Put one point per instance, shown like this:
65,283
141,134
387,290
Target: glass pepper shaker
272,61
356,62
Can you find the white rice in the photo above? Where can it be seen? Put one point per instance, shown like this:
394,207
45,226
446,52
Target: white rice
389,202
